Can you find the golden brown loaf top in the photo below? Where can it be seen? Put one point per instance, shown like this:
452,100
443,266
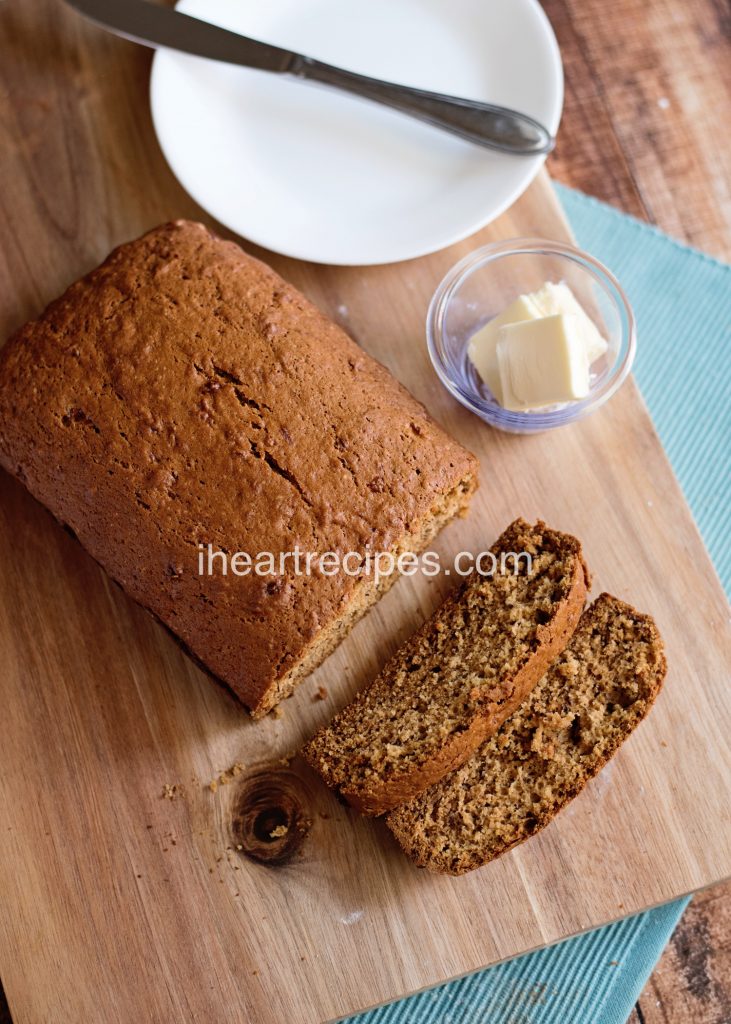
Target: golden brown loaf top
576,718
454,682
183,393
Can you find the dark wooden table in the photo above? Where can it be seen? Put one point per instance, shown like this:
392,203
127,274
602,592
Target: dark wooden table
646,128
647,111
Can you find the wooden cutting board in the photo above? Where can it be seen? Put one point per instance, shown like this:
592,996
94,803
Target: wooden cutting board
125,896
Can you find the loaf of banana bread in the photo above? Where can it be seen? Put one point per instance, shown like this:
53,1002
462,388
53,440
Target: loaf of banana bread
183,394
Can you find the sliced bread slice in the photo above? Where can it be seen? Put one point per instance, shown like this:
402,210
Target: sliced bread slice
582,710
454,682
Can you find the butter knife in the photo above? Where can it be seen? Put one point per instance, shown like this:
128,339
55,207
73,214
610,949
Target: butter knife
482,123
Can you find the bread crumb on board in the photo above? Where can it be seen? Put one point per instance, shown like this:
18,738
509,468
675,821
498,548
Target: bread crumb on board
170,790
226,776
320,693
279,831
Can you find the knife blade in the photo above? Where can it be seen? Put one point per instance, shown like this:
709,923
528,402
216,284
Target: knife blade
153,25
482,123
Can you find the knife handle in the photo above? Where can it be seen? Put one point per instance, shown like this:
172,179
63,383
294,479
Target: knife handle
483,123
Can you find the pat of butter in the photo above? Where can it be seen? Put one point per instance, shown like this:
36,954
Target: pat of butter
552,299
483,344
542,362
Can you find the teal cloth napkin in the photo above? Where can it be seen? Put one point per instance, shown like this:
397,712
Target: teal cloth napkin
682,300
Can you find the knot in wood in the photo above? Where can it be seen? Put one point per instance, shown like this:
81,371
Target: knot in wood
269,818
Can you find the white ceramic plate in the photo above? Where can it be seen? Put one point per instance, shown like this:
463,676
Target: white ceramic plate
313,173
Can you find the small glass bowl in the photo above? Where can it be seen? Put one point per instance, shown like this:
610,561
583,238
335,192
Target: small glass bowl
488,280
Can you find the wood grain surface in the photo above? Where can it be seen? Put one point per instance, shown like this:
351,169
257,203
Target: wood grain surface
647,110
126,897
692,981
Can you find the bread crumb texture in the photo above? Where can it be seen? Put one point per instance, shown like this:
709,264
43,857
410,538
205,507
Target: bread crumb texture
457,678
575,719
